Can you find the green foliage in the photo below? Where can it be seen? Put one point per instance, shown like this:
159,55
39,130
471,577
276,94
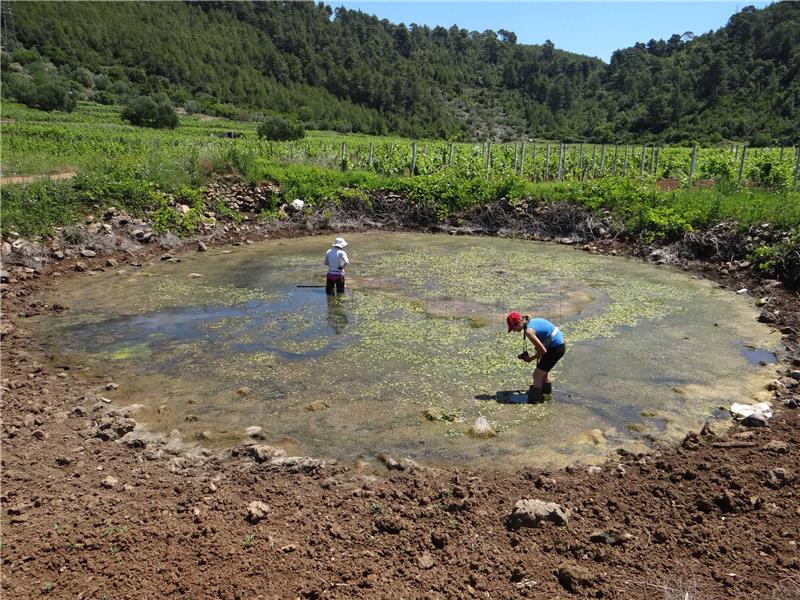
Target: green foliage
279,129
662,223
43,93
145,111
358,73
765,171
125,166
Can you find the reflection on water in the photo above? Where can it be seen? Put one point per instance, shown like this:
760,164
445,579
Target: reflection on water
337,314
415,350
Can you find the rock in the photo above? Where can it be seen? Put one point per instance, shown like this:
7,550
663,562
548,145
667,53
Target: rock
289,548
572,577
752,415
534,513
80,266
112,262
482,429
406,464
425,561
201,247
255,432
58,255
612,537
778,477
109,213
183,209
305,463
297,205
244,391
194,275
790,403
317,405
742,291
257,511
113,428
390,462
263,453
766,317
594,470
755,420
111,386
110,482
794,374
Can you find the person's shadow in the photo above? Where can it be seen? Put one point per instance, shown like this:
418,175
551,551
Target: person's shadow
337,315
505,397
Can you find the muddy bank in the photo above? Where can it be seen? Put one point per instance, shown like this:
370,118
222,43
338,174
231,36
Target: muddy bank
93,507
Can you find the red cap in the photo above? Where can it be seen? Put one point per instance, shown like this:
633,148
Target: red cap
513,318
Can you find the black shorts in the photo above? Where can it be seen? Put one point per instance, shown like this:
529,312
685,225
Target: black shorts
551,357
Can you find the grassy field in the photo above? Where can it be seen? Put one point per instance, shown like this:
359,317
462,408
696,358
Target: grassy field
128,166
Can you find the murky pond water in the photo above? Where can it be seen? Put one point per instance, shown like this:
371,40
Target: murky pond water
415,350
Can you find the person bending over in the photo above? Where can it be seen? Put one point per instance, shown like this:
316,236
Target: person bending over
550,346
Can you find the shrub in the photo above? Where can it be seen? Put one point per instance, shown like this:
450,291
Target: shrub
192,107
48,94
103,97
279,129
145,111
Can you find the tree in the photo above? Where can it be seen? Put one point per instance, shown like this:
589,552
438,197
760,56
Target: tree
279,129
146,111
43,93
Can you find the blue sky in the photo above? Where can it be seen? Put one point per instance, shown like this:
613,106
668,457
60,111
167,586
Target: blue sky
592,28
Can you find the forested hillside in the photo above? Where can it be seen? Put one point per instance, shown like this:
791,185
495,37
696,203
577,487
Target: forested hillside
349,71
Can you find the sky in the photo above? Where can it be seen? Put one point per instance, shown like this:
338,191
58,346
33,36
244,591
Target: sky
591,28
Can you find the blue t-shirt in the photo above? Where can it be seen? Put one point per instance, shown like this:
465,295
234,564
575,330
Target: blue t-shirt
544,331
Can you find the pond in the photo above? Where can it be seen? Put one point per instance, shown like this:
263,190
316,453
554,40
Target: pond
414,351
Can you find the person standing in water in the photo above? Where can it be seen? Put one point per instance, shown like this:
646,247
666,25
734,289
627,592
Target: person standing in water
550,347
336,260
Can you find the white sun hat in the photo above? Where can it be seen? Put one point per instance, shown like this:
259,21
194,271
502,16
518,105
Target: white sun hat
339,242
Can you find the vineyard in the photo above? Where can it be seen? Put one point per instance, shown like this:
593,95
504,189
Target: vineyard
35,142
117,162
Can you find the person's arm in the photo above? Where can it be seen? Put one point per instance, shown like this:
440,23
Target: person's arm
345,261
541,350
326,260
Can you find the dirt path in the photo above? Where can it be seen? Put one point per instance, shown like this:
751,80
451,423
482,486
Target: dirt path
32,178
87,515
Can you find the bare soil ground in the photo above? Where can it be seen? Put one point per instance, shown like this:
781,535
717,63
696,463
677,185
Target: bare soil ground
716,517
31,178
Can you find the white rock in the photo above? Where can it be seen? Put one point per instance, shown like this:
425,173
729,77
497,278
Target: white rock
482,428
533,513
257,511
